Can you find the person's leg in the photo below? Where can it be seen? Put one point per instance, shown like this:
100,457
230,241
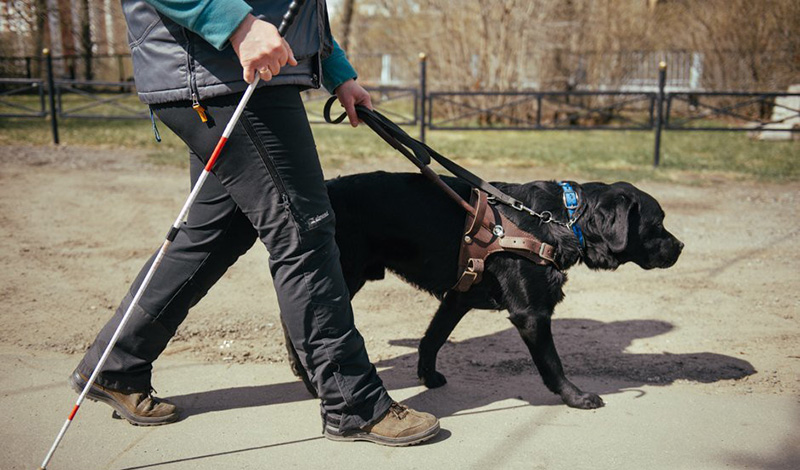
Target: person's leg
271,170
215,234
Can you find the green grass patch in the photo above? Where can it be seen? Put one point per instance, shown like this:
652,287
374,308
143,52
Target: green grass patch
605,155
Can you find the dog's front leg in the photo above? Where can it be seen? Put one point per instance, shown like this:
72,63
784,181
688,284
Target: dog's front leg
447,316
534,327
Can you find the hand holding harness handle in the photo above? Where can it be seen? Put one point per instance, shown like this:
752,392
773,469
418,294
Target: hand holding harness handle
499,233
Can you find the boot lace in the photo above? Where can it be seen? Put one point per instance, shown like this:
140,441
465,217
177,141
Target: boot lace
400,411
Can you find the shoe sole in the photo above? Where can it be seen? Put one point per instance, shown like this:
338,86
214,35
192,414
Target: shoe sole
415,439
120,411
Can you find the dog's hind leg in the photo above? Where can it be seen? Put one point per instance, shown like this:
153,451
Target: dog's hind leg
294,362
534,327
447,316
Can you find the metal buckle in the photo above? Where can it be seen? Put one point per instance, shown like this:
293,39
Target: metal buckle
571,200
541,250
569,196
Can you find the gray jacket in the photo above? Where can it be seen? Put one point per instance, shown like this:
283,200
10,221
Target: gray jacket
171,63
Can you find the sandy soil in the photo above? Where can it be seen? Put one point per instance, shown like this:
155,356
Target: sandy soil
77,224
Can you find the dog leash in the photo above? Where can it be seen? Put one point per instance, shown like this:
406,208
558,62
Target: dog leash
420,155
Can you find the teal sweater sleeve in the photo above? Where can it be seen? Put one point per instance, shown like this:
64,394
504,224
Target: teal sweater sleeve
214,20
336,69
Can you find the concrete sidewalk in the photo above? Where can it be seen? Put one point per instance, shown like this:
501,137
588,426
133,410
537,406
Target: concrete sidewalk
259,417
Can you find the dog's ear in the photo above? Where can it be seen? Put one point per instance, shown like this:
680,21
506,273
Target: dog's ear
614,217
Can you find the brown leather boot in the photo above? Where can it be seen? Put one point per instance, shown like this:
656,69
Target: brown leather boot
139,408
400,426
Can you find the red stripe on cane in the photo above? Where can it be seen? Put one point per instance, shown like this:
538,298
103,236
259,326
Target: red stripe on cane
217,151
74,410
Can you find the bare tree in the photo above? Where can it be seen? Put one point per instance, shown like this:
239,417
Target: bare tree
564,44
348,7
746,44
85,35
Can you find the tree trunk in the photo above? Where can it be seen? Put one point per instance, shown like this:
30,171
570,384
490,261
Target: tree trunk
85,34
40,13
347,19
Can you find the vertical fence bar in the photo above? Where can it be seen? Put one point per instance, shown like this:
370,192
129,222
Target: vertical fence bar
662,81
51,92
423,93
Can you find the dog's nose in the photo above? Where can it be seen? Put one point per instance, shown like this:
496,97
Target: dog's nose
680,245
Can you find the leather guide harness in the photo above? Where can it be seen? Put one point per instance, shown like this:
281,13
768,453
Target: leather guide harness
479,242
487,230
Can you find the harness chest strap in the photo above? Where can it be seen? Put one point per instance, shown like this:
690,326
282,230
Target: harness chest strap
491,232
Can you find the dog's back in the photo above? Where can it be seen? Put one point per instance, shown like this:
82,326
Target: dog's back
400,222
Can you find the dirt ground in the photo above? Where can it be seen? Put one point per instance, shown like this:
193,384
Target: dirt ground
78,223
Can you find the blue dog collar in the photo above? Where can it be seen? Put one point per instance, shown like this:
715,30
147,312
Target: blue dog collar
571,202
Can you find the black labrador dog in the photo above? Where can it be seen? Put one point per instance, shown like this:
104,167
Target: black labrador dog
404,223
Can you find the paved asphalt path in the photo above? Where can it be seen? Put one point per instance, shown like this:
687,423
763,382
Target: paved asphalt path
259,417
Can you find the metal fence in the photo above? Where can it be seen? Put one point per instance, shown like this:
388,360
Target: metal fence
653,111
15,87
97,100
541,110
738,111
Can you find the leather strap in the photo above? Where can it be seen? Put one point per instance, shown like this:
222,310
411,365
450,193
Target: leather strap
480,212
422,154
481,240
472,275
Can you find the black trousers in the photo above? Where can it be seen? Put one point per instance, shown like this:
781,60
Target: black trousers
267,184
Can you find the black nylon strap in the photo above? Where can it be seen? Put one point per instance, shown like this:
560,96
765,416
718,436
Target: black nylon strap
422,154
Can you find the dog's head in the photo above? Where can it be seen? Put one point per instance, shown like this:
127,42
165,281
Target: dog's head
621,224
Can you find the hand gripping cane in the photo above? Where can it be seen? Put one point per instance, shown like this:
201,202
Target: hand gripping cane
288,19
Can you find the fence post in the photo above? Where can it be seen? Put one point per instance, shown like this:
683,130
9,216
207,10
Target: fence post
51,92
423,94
662,81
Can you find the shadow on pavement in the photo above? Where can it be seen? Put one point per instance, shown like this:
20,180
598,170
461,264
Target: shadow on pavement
491,368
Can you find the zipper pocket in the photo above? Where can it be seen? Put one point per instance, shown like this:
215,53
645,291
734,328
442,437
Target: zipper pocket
192,78
262,152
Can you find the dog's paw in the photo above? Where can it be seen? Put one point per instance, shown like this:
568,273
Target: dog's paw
432,379
583,400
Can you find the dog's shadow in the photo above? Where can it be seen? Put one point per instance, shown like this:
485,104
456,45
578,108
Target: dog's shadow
595,356
495,367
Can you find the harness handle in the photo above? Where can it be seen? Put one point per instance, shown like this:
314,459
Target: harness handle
422,154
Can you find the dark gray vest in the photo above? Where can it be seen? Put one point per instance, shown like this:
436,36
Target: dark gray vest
171,63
